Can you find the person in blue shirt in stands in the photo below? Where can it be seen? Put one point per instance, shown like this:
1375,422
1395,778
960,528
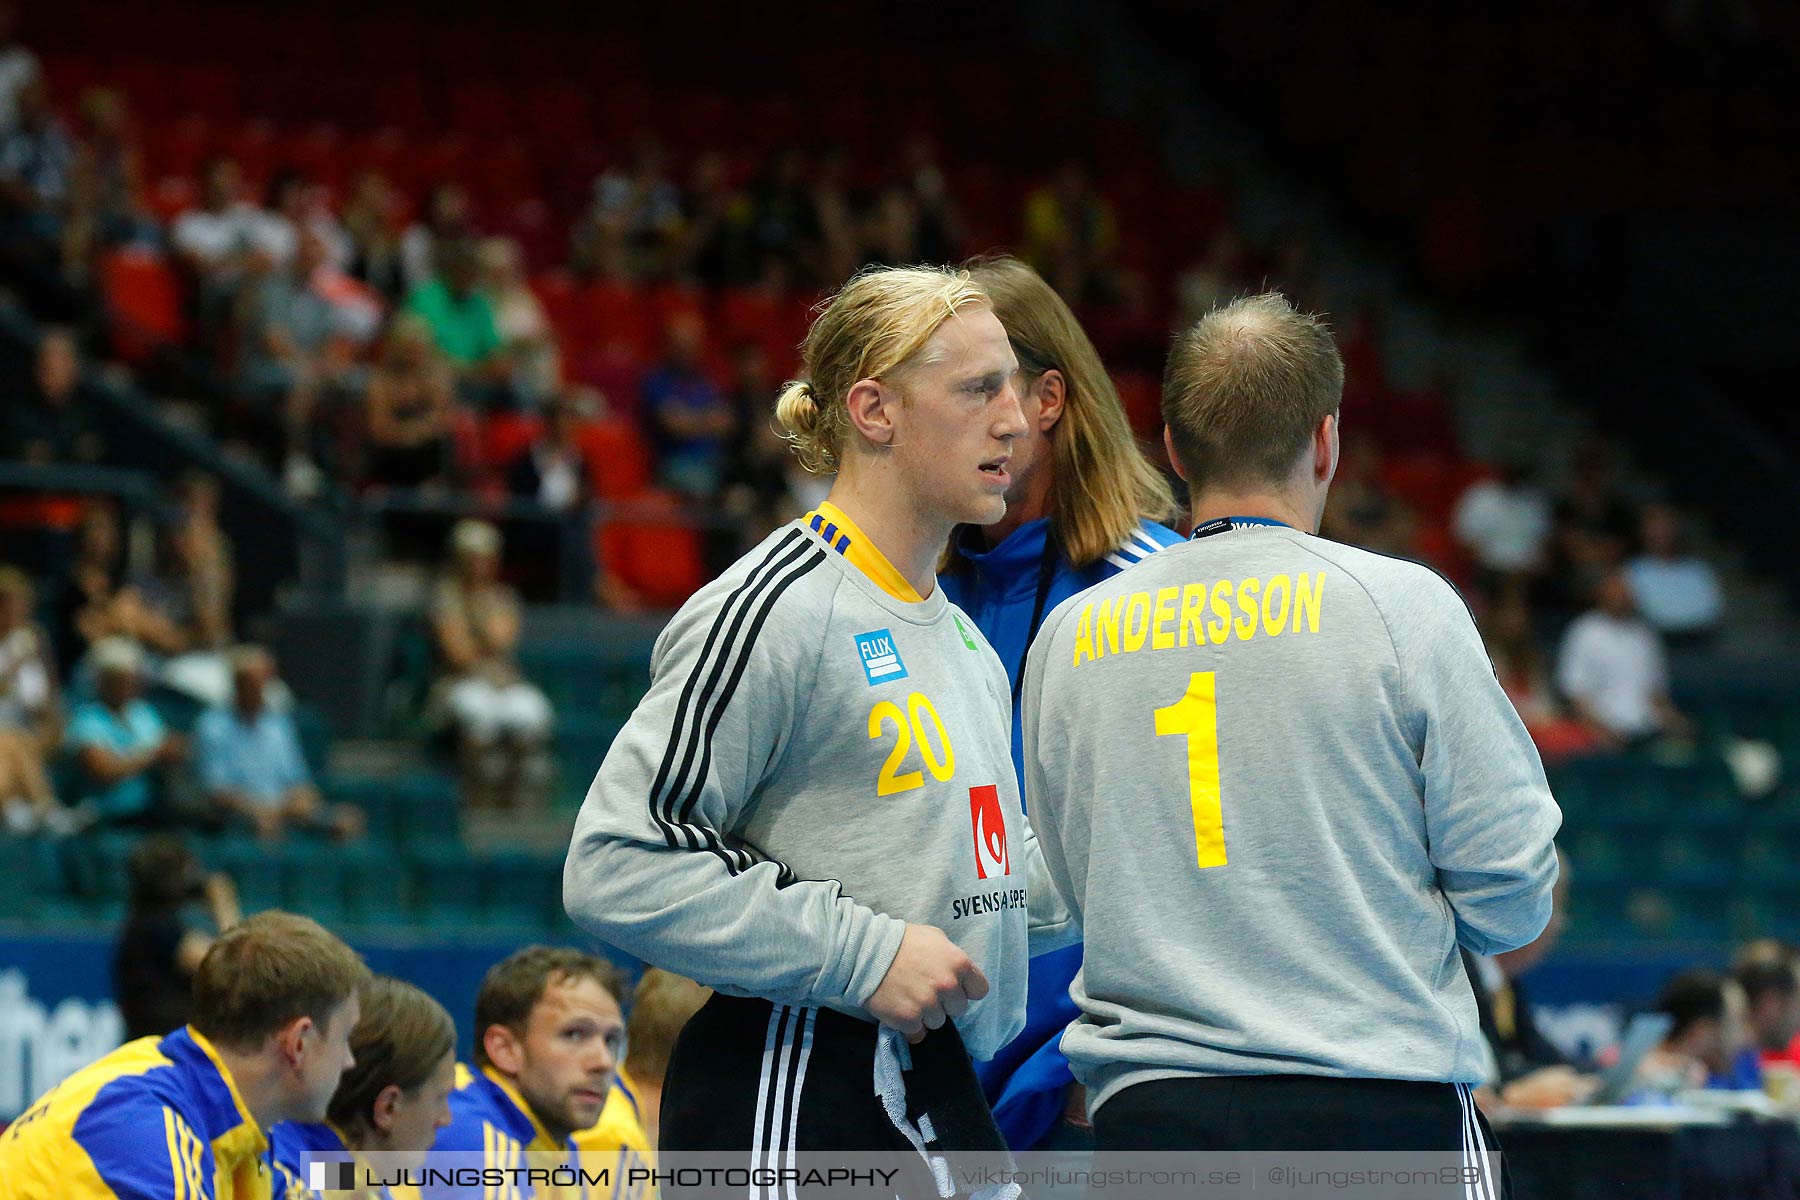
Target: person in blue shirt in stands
121,747
250,764
391,1103
1084,504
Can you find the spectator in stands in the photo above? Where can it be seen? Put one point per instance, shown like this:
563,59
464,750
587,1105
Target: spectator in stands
294,210
525,332
53,423
275,1000
833,201
94,576
1703,1047
215,240
1512,646
1504,522
757,483
462,324
369,223
500,719
892,229
251,766
30,725
1676,592
18,66
940,233
392,1102
186,603
107,152
1070,231
27,799
661,1004
161,946
718,245
553,470
644,206
296,338
784,219
36,157
446,218
1612,669
1769,972
122,749
98,603
1361,511
28,696
410,404
1214,279
549,1034
1594,526
691,421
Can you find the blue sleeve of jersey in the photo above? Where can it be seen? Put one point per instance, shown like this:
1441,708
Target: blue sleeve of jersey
464,1135
143,1150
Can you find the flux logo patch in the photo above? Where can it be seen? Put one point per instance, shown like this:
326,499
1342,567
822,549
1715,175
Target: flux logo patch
989,826
880,658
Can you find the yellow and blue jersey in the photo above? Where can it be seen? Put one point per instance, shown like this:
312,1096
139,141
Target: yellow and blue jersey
157,1119
289,1145
489,1117
618,1142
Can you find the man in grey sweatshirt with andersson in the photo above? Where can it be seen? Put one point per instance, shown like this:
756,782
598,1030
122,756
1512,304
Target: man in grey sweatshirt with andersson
1277,781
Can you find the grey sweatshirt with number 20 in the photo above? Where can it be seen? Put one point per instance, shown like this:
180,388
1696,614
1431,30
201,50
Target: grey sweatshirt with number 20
816,764
1276,780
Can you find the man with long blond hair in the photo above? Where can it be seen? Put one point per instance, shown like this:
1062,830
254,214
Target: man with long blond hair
1084,504
813,810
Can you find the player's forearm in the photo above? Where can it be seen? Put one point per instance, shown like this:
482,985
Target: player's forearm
686,911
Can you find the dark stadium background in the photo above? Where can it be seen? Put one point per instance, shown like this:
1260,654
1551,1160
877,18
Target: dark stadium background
1557,236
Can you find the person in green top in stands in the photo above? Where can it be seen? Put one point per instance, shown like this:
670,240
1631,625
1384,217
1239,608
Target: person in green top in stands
463,325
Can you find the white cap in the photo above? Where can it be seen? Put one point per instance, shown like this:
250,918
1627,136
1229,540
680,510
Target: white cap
475,537
117,654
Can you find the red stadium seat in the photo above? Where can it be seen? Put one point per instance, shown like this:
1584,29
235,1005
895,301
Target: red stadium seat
621,319
652,553
619,461
144,299
505,436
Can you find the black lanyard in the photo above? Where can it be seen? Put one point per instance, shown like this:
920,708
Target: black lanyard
1046,576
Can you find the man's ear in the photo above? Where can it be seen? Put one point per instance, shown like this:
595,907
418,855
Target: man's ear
503,1049
1052,395
387,1104
1325,449
1174,459
290,1040
871,406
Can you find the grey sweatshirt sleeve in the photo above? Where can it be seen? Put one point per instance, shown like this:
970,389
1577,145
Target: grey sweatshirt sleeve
1053,835
1052,925
1489,817
654,868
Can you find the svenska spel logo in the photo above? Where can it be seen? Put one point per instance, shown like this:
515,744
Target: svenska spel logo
989,826
880,658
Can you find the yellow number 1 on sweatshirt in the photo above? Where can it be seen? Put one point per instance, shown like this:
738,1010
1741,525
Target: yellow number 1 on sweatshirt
1196,714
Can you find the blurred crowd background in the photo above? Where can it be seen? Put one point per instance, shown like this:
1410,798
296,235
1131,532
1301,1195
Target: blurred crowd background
377,378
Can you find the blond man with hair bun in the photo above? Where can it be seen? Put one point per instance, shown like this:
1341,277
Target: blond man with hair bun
814,811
